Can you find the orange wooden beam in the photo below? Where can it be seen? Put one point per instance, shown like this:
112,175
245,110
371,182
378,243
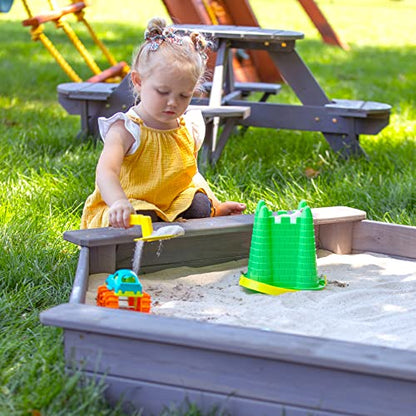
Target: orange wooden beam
259,66
54,14
319,20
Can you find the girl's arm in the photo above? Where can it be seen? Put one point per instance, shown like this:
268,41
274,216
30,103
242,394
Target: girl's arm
117,143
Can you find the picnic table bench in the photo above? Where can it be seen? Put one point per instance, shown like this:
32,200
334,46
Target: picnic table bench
93,100
340,121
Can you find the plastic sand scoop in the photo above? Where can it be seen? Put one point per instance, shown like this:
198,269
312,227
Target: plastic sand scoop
163,233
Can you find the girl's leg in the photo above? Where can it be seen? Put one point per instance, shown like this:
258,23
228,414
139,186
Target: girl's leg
200,207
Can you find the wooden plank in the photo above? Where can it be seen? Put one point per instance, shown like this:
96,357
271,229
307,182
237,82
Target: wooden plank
354,108
335,237
87,90
195,251
204,226
251,87
313,351
321,23
146,395
390,239
335,228
222,111
102,259
330,215
80,285
54,15
249,33
155,360
312,373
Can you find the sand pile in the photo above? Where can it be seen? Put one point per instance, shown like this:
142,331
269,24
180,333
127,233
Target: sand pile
369,298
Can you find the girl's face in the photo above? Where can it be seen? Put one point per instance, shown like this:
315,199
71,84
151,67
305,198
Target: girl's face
164,96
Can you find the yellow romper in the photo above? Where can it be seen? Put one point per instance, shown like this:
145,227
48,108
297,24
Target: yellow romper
156,176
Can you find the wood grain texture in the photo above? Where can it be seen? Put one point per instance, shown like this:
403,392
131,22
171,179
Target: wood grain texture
262,366
391,239
153,361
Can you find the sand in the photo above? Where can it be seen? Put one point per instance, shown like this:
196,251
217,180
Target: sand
369,298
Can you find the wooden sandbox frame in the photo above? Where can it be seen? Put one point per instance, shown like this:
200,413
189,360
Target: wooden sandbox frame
152,361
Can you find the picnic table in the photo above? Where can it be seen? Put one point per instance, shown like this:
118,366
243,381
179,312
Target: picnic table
340,121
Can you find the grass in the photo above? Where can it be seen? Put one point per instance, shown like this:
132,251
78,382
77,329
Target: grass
46,173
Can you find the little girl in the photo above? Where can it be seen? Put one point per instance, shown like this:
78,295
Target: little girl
148,164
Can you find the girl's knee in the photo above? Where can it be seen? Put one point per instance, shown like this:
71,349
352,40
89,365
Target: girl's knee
200,207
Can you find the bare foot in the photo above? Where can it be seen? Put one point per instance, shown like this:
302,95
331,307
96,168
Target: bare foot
180,219
230,208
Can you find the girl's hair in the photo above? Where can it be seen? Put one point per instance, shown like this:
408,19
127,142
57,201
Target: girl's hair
164,46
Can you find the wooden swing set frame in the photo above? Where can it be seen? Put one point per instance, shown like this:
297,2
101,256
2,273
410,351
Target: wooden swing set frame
114,73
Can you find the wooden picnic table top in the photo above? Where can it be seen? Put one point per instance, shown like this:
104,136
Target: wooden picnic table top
249,33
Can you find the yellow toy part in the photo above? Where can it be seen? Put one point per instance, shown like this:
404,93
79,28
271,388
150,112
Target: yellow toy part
144,221
263,287
163,233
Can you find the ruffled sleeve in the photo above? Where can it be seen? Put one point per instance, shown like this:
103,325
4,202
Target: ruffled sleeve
104,125
195,123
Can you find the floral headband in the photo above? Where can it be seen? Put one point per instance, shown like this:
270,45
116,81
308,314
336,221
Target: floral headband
168,35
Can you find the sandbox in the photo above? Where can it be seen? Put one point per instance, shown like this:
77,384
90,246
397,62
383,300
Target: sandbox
245,367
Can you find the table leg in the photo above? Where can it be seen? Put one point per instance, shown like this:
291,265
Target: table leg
205,153
298,76
225,134
217,87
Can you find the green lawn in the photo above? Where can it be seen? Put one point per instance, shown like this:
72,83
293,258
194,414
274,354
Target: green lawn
46,172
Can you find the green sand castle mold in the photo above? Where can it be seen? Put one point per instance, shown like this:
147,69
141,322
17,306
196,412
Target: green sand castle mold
282,252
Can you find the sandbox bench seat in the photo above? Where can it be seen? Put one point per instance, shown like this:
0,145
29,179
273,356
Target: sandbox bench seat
210,241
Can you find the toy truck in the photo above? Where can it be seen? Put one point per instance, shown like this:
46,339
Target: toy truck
123,290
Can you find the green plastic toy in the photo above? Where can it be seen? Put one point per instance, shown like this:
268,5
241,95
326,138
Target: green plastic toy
282,252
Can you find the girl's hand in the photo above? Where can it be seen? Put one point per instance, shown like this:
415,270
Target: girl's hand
229,208
119,213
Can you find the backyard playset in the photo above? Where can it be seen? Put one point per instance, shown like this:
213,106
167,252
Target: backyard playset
247,60
241,370
251,66
56,15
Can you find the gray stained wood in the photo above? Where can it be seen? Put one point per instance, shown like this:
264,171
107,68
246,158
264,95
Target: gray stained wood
152,361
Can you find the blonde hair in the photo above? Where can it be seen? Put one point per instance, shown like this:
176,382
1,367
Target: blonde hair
164,46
